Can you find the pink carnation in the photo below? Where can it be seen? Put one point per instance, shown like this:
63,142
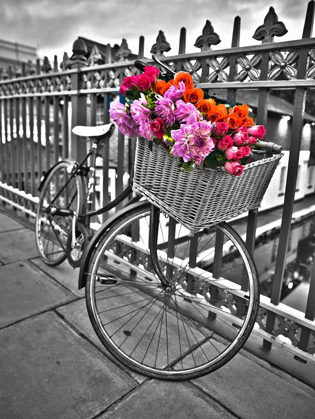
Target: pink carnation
193,141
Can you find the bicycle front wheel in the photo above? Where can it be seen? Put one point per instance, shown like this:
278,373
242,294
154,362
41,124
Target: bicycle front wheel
60,190
189,326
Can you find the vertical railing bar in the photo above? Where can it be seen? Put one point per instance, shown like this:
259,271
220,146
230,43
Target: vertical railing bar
92,122
309,21
39,139
6,147
1,144
105,155
295,146
47,132
56,128
31,128
18,143
12,142
24,145
65,128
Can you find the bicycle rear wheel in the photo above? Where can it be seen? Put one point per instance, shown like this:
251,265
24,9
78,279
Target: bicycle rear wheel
60,190
188,328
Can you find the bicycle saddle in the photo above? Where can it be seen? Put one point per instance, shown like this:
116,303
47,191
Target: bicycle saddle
95,131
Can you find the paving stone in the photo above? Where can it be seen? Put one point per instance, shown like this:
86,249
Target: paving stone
17,245
7,223
161,399
63,273
251,391
76,314
49,372
26,291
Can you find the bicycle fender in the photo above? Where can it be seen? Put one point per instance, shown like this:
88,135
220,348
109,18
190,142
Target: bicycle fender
100,232
45,176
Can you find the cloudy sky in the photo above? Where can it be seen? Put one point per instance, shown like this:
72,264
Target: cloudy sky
53,25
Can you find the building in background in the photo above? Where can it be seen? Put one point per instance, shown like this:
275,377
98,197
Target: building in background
13,54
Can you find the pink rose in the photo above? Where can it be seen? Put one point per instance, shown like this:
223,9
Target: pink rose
152,72
241,136
225,143
143,82
252,140
258,131
220,129
234,153
234,168
246,151
127,84
157,126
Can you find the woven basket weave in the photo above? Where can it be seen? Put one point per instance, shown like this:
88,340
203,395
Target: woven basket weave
201,197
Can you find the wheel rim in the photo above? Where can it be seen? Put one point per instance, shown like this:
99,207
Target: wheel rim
184,330
59,191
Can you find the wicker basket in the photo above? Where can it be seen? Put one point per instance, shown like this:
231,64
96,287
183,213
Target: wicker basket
201,197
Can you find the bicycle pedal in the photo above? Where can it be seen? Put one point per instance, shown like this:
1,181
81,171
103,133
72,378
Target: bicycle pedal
107,280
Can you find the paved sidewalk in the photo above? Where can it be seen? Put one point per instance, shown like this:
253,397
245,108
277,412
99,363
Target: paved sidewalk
53,366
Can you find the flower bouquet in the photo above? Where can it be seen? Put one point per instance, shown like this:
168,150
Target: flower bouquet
194,157
194,129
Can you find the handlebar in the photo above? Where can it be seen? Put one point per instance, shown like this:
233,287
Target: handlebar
267,147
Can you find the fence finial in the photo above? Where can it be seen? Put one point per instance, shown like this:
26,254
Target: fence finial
80,51
161,45
271,27
124,52
208,38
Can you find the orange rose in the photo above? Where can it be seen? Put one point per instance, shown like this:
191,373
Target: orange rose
184,77
241,111
166,86
159,85
248,122
206,106
219,113
233,121
193,96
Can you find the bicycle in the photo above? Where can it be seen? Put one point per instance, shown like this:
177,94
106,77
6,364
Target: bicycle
167,303
65,207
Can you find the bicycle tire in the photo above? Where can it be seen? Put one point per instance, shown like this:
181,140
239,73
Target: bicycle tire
183,333
62,191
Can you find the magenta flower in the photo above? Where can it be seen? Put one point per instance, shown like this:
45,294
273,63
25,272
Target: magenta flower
118,113
234,168
165,109
157,126
175,92
184,110
224,143
139,111
143,82
128,84
152,72
145,130
193,141
234,153
220,129
258,131
241,136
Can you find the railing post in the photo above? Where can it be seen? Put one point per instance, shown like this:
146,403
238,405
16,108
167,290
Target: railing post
78,102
